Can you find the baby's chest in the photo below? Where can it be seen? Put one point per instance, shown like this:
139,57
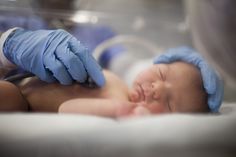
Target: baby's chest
109,92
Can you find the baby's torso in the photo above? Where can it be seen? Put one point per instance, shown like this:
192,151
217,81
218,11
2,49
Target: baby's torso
48,97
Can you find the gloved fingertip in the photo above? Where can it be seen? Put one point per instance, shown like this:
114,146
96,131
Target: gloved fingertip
64,78
100,82
93,69
65,82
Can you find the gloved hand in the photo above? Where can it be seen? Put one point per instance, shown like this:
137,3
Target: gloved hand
211,81
52,55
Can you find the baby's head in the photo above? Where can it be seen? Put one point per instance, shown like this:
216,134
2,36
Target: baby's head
180,81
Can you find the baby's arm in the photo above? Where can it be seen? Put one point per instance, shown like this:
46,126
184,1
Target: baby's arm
99,107
11,98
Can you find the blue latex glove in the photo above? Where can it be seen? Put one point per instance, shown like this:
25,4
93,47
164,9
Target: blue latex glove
212,83
52,55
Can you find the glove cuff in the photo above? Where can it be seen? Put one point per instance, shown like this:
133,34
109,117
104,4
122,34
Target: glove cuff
4,62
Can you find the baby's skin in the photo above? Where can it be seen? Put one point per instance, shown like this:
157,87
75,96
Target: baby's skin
161,88
76,98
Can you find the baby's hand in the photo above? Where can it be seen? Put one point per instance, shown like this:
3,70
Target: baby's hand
124,109
131,109
140,111
134,96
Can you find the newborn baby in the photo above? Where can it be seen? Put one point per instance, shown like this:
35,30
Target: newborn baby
177,86
162,88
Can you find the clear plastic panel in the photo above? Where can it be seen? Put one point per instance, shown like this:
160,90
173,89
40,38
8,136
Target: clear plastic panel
146,27
160,21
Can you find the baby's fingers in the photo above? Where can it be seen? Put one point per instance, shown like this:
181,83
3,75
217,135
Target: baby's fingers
125,108
141,111
134,96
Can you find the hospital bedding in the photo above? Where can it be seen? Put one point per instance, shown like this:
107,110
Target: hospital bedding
176,135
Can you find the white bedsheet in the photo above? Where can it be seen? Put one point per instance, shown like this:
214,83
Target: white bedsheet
178,135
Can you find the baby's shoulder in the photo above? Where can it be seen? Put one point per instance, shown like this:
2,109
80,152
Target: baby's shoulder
115,84
112,79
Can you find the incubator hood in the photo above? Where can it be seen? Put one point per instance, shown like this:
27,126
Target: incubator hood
162,22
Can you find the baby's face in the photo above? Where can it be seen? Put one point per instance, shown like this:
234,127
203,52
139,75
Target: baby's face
175,87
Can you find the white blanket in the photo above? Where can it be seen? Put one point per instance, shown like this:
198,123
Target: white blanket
176,135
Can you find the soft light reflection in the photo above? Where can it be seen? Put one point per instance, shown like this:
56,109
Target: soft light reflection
83,17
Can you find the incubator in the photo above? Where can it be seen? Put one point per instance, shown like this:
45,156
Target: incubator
124,36
114,37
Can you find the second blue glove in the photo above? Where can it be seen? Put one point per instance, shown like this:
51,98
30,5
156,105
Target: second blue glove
211,80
